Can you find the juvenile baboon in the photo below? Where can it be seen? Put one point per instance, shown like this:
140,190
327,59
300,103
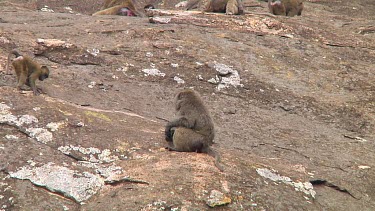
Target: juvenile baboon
27,71
117,7
229,7
193,129
286,7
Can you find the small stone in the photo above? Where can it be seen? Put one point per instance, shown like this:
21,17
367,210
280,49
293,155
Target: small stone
80,124
215,80
364,167
179,80
217,199
229,111
149,54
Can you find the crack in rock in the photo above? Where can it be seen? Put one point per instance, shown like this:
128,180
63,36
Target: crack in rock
107,172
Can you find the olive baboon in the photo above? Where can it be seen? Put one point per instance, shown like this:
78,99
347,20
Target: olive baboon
229,7
286,7
193,129
119,7
27,71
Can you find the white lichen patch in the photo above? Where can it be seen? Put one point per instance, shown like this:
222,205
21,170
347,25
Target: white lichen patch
106,157
305,187
27,119
40,134
8,118
4,108
76,185
11,137
95,155
215,80
54,126
272,175
31,162
46,9
156,205
87,164
86,151
13,120
153,72
226,77
107,172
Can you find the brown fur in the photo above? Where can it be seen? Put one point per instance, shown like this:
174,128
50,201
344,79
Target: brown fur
193,4
113,7
229,7
286,7
193,129
27,71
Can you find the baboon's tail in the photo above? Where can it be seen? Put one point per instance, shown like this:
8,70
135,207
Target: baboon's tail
217,157
13,52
